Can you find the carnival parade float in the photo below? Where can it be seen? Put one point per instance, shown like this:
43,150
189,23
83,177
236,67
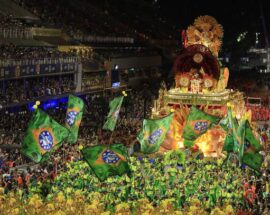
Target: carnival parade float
200,81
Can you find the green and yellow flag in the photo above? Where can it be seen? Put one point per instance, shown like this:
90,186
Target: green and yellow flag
240,137
74,117
115,106
230,125
249,146
43,136
197,123
153,133
253,160
107,161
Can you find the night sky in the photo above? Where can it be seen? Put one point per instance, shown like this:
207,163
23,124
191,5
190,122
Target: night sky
236,16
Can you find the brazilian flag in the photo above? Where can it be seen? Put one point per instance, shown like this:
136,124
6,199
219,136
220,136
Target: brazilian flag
43,136
253,160
107,161
115,106
74,117
230,125
240,137
197,123
228,145
153,133
255,143
229,122
249,146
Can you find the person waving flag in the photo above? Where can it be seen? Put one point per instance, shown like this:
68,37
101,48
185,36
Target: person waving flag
74,117
115,106
250,146
153,133
107,161
43,136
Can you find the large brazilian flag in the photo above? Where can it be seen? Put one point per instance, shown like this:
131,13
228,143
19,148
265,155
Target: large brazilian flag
107,161
230,125
197,123
43,136
74,117
249,146
115,106
153,133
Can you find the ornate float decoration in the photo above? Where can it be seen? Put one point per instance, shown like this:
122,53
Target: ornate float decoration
206,31
200,80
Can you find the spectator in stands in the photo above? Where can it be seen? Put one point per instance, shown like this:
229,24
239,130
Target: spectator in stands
15,91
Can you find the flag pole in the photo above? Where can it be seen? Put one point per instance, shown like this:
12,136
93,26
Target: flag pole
110,140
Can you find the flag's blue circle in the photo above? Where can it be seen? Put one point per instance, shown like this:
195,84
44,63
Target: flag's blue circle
110,157
45,140
154,137
201,126
71,117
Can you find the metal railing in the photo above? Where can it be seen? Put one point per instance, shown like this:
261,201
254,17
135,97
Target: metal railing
16,33
20,62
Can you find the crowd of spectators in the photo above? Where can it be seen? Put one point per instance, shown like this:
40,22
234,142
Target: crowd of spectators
14,176
77,17
132,77
11,158
86,20
126,52
133,110
101,39
95,112
259,113
13,28
7,21
93,82
249,82
16,91
25,90
12,55
18,171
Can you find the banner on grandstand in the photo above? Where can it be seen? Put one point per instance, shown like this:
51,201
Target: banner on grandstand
9,72
43,136
94,82
74,117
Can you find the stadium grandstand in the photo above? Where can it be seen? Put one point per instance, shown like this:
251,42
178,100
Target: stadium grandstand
77,46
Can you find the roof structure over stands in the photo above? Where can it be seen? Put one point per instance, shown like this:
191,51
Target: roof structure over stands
9,7
54,40
26,42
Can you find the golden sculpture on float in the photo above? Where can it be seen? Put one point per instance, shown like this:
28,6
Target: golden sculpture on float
206,31
200,80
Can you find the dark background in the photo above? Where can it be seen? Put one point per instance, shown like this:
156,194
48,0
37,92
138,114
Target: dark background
235,16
